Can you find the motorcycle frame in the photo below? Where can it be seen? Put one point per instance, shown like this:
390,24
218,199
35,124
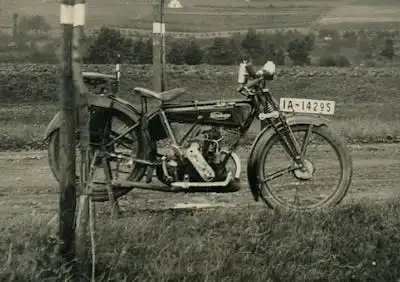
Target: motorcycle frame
145,116
257,106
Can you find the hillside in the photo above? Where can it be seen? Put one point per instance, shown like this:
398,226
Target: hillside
227,15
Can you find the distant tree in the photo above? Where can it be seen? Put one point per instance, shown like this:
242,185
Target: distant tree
309,42
280,57
362,35
193,54
271,52
253,46
220,52
290,35
106,45
388,49
275,54
277,38
235,44
349,38
176,53
384,34
36,23
365,48
299,50
143,50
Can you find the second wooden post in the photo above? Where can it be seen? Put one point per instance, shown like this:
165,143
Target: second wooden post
158,46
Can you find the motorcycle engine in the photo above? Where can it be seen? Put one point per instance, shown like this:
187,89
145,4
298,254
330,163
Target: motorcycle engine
209,147
201,161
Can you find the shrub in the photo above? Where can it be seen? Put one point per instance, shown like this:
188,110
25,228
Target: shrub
299,50
193,53
176,53
220,52
388,49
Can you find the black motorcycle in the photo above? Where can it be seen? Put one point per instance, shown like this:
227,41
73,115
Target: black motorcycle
283,169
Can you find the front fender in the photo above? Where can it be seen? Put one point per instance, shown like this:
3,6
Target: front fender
262,139
105,102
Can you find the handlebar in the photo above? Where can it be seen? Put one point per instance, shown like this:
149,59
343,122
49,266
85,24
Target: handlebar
255,77
249,85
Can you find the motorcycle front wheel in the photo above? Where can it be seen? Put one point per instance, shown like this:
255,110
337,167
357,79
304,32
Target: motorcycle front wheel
322,183
130,145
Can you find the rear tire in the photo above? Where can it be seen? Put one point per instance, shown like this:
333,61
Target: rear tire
136,173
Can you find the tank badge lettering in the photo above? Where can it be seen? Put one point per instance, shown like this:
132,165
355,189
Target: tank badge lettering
219,116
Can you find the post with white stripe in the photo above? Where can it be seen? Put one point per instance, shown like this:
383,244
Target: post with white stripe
81,93
158,46
67,200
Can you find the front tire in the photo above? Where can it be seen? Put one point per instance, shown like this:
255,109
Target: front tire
306,178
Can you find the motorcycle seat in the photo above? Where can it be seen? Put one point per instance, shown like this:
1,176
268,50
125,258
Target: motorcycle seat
164,96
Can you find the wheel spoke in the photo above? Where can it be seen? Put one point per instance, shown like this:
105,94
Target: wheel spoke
306,140
279,173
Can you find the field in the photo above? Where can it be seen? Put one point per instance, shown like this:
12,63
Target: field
160,237
235,15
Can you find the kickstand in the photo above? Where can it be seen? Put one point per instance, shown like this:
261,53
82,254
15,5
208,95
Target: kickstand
114,206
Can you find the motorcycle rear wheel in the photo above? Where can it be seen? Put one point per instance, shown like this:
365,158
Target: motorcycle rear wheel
133,173
310,176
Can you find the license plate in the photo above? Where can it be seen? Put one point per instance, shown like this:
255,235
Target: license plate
307,106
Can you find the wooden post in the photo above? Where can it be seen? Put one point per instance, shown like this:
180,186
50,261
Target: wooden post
67,201
81,93
158,46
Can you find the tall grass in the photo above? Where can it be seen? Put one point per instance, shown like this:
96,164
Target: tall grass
357,242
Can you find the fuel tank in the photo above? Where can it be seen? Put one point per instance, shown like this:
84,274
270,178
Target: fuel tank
229,114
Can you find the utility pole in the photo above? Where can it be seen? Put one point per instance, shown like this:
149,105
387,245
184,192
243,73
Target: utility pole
158,46
67,200
81,93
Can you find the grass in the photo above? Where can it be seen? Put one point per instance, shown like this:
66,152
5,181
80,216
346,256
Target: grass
357,242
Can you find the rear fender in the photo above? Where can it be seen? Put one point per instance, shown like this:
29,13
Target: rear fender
262,139
105,102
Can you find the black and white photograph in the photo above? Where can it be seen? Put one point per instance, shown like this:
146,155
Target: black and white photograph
199,140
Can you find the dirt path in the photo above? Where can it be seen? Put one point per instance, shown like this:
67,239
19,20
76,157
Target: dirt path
28,188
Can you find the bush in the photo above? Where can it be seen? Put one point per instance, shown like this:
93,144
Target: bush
107,45
388,49
253,47
176,52
193,53
299,50
220,52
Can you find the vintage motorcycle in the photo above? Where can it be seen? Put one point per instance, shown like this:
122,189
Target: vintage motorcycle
203,159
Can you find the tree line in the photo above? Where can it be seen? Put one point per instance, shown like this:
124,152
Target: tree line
327,47
284,48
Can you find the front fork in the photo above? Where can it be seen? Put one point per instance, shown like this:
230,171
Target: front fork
291,144
278,122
